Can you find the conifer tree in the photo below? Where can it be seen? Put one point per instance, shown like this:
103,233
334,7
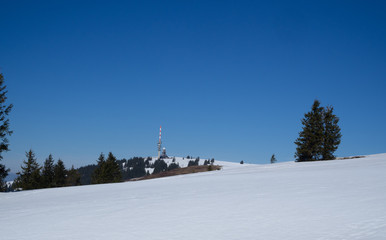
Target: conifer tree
107,170
60,174
113,173
320,135
160,166
48,172
4,130
98,174
273,159
310,140
30,177
331,134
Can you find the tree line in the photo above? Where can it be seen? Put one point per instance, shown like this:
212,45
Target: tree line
51,174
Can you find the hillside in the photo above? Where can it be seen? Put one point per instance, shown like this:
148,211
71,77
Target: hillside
341,199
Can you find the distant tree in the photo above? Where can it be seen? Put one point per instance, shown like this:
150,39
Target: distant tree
193,163
4,130
48,172
73,177
60,174
320,136
206,162
111,171
98,175
138,167
212,161
160,166
273,159
242,162
173,166
29,178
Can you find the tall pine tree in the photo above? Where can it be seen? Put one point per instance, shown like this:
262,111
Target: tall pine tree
98,174
112,171
60,174
30,177
320,135
48,172
4,130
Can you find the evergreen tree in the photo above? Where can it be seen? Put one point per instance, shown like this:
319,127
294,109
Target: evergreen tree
4,130
60,174
107,171
112,171
173,166
30,177
273,159
98,174
48,172
320,135
160,166
73,177
310,141
331,134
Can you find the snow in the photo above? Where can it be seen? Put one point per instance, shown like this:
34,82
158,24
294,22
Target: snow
341,199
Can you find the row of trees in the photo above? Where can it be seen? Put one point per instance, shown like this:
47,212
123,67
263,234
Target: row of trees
49,175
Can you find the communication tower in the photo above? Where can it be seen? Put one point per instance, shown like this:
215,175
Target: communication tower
159,143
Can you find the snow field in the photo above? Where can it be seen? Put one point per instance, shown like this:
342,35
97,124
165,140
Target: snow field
341,199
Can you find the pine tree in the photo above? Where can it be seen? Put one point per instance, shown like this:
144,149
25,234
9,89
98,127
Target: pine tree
320,136
331,134
310,140
98,174
60,174
48,172
273,159
112,171
4,130
30,177
160,166
107,170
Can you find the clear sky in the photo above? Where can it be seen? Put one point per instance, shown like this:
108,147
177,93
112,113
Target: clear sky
225,79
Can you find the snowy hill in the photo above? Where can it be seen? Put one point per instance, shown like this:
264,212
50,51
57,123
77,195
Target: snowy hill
341,199
183,162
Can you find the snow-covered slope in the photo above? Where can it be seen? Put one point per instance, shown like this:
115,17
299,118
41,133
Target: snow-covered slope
183,162
342,199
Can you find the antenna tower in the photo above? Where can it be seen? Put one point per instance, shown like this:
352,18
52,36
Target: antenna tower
159,143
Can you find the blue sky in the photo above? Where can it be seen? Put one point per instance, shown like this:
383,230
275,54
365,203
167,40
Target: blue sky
226,79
